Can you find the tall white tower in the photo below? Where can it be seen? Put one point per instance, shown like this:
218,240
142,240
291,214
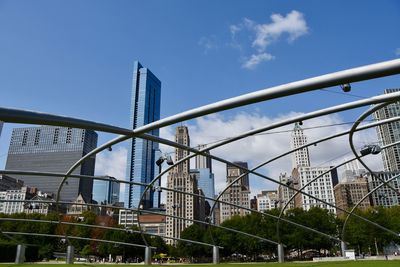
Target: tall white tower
301,157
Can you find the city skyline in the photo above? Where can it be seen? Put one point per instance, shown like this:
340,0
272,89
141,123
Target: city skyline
214,46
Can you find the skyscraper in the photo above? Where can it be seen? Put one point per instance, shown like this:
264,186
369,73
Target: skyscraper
53,149
205,178
302,173
237,194
145,108
106,192
180,178
299,157
389,133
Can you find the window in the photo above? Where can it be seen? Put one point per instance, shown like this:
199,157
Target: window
25,138
56,134
37,137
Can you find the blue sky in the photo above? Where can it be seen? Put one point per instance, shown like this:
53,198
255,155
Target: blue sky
75,58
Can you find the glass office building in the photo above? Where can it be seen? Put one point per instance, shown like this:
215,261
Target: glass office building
53,149
106,192
145,108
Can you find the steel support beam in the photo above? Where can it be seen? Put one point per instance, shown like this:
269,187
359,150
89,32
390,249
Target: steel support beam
281,253
20,256
147,256
215,255
70,255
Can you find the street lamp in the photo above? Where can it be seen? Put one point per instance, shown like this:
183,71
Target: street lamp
159,163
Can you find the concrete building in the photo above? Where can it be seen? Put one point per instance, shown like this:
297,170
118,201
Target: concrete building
153,224
53,149
180,178
145,108
322,188
384,196
237,194
267,200
350,191
127,218
106,192
389,133
15,194
8,183
285,193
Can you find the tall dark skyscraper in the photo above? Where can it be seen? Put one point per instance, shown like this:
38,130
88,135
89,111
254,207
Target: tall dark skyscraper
145,108
53,149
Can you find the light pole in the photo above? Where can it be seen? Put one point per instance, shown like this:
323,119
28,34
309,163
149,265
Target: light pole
159,163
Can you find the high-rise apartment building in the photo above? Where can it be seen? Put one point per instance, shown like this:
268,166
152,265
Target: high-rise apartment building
389,133
351,190
145,108
180,178
237,194
53,149
106,192
300,157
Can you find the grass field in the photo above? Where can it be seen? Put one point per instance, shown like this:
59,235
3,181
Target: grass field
393,263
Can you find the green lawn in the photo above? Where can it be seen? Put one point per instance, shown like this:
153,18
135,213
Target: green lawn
393,263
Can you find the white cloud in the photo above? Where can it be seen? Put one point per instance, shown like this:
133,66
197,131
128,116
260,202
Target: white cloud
254,60
293,25
208,43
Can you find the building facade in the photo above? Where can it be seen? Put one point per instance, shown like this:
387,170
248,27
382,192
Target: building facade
145,108
180,178
350,191
267,200
389,133
284,192
53,149
384,196
322,188
1,127
300,157
205,183
106,192
8,207
8,183
237,194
